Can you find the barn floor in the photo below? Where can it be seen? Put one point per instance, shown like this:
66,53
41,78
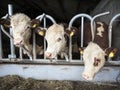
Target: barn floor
14,82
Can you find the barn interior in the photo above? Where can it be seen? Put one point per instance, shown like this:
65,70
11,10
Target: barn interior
61,11
64,10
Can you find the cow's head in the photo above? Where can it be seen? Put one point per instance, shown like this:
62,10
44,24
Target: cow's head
56,36
94,59
21,26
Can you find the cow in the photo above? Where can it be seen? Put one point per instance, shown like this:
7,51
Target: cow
94,55
22,26
57,36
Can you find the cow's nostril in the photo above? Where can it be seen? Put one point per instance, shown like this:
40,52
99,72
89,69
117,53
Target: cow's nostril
48,54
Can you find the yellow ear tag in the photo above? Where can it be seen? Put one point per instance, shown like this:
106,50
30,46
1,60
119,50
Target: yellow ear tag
111,54
34,25
72,33
81,52
41,33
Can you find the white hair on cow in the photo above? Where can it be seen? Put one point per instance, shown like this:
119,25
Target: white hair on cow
92,52
19,18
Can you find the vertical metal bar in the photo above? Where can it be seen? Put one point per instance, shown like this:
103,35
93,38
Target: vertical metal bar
1,51
110,31
70,49
34,46
20,53
12,55
44,20
82,33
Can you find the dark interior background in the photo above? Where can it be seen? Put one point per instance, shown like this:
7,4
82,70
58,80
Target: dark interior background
61,10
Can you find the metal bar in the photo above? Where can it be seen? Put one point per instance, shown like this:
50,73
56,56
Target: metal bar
92,22
110,32
44,20
47,16
12,55
1,50
2,28
110,29
82,31
34,45
20,53
78,16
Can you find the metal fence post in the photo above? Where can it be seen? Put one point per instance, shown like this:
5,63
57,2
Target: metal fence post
12,55
1,52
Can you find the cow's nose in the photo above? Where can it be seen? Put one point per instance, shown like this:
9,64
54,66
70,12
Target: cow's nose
87,76
48,54
18,42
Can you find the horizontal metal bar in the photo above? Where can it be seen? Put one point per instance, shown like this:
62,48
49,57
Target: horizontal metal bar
54,62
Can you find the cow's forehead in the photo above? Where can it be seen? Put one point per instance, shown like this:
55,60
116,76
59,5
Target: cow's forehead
20,19
55,30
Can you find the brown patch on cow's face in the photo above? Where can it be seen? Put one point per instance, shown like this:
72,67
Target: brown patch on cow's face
96,61
100,29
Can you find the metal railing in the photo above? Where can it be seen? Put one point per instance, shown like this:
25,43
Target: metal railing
44,17
82,16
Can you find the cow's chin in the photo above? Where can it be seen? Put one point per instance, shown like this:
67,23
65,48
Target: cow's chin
19,45
87,76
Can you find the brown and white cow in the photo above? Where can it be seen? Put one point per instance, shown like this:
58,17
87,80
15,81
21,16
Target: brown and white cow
94,54
57,37
21,26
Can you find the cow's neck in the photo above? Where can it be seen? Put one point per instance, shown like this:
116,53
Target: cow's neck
28,47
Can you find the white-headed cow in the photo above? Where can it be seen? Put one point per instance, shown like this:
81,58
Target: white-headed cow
57,37
95,52
22,26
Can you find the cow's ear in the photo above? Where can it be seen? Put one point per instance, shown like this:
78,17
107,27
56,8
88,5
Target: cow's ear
35,23
41,31
81,49
5,22
111,52
71,32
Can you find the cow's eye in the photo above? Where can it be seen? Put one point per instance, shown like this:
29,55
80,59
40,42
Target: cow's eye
59,39
28,27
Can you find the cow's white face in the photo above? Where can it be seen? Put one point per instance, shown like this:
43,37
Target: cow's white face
94,59
55,40
20,24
